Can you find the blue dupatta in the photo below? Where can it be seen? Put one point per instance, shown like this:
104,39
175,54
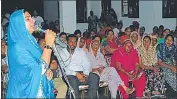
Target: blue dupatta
24,58
168,56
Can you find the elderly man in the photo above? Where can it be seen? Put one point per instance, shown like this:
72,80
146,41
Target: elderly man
126,62
107,74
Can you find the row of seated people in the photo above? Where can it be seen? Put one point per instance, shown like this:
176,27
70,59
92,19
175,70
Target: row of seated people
155,76
136,62
129,59
144,56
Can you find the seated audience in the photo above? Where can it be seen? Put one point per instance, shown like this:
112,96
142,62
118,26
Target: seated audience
126,62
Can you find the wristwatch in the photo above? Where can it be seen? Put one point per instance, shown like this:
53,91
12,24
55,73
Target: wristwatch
47,47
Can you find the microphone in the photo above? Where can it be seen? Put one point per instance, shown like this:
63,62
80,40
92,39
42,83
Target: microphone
38,29
58,42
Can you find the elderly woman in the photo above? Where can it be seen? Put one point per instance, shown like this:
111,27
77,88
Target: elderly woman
110,44
29,76
135,39
148,62
167,58
126,62
108,74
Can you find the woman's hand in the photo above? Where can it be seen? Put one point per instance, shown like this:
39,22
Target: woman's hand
49,74
50,37
100,69
173,68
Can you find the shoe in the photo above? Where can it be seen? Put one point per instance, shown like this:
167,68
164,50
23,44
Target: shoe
130,91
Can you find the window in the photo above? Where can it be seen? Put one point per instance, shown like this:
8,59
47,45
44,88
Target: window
133,8
81,11
169,8
124,8
106,5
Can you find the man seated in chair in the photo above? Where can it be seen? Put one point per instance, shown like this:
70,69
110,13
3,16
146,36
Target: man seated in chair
126,62
107,74
78,70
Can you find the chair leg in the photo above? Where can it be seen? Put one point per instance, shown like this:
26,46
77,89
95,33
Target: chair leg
97,95
82,94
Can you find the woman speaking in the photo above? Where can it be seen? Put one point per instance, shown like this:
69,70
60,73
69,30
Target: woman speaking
29,76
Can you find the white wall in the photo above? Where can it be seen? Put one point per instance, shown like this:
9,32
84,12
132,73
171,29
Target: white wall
67,16
50,10
94,6
150,13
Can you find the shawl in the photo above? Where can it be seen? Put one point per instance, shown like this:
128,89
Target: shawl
148,57
138,42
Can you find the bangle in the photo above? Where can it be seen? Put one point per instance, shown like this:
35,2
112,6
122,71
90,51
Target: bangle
47,47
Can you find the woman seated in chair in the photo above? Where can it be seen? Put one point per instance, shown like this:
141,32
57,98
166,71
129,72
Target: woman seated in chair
148,62
167,59
107,74
126,62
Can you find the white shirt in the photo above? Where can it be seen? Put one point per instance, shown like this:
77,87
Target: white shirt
79,62
38,21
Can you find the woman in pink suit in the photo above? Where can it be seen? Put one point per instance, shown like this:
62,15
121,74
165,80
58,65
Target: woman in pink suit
126,62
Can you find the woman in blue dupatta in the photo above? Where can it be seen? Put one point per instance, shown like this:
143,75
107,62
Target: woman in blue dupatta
29,76
167,58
